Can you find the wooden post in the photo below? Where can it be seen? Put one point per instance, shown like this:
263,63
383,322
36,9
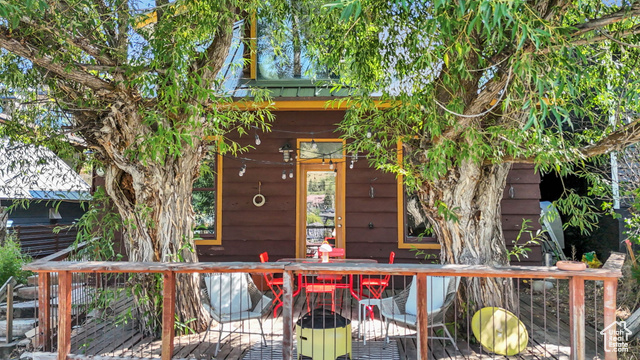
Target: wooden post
44,310
577,318
610,288
287,316
168,314
64,314
9,312
423,323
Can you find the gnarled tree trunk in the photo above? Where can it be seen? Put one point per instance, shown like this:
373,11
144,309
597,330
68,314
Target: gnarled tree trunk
472,192
154,202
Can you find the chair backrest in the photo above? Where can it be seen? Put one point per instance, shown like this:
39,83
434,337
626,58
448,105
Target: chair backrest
264,257
337,253
268,277
228,292
392,257
438,287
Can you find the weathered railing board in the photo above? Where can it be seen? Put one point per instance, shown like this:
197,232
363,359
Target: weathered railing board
529,272
64,315
610,289
576,304
423,324
168,309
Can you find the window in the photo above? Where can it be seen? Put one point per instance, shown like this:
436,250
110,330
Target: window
289,59
206,201
414,230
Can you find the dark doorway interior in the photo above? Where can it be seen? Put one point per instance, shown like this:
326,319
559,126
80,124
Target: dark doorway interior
603,240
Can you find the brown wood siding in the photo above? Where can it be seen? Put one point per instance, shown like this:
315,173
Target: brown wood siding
522,202
248,230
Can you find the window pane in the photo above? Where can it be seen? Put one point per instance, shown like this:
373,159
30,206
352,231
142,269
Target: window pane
203,198
319,150
288,59
417,224
204,206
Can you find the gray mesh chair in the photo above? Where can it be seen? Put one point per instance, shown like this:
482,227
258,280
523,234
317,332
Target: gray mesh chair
233,297
401,308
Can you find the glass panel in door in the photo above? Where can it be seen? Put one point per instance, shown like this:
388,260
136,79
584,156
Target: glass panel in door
320,210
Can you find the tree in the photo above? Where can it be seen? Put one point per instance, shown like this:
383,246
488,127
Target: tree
471,87
138,84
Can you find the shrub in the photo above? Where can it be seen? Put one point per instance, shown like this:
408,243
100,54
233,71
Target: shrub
11,261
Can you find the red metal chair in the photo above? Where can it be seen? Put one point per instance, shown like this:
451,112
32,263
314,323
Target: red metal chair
375,285
275,284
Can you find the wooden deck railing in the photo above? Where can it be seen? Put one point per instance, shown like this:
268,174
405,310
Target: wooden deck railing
576,280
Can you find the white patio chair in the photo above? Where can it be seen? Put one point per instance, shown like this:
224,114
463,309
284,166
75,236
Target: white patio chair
402,308
232,297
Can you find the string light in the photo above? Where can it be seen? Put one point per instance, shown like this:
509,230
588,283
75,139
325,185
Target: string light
284,174
369,134
330,164
351,165
291,173
314,145
258,141
243,169
378,143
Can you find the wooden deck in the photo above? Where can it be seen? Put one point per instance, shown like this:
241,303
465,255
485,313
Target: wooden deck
114,334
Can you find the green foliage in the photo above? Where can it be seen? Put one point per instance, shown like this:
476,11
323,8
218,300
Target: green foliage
11,261
97,229
521,248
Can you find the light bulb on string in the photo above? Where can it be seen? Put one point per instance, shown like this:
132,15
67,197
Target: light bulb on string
243,169
323,160
369,134
314,145
291,173
284,174
258,141
351,165
378,143
330,164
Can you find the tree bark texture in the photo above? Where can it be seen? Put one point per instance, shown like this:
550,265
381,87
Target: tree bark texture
154,201
4,217
472,192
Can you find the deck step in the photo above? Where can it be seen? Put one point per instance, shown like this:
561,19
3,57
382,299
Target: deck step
20,327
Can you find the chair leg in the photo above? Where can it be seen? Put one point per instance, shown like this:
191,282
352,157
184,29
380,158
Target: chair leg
386,331
219,340
450,337
264,339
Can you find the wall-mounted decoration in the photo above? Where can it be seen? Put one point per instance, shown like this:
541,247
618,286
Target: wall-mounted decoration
258,199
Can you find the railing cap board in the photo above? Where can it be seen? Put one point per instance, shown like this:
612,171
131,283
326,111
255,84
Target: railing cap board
336,268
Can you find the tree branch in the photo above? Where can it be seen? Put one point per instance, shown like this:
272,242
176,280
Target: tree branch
616,141
212,59
22,48
622,14
79,42
495,89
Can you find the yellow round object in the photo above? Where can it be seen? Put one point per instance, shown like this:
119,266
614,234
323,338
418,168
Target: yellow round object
499,331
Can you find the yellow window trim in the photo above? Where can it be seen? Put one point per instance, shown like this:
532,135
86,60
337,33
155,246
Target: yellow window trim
218,239
402,244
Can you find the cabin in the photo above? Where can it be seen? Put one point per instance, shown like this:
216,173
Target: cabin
298,186
43,192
